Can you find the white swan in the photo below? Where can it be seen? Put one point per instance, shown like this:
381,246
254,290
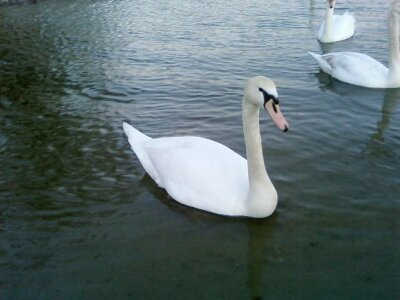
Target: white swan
204,174
336,27
361,69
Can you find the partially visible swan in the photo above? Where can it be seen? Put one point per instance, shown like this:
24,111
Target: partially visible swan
207,175
361,69
336,27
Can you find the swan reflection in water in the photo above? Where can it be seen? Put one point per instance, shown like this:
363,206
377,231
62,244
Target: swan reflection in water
371,98
258,247
377,145
390,101
260,252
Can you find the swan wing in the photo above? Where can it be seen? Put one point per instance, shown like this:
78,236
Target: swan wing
344,26
354,68
200,173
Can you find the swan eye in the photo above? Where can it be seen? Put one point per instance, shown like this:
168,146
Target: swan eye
268,97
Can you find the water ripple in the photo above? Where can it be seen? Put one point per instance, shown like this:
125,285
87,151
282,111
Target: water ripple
77,208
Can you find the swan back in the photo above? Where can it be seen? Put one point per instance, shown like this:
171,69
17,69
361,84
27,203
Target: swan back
343,28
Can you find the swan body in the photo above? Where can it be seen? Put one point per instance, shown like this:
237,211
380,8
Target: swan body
352,67
173,161
207,175
336,27
360,69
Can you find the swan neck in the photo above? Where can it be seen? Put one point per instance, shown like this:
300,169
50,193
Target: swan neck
328,27
255,160
394,55
261,198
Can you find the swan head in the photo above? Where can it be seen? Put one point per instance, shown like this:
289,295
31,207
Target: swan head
261,92
331,4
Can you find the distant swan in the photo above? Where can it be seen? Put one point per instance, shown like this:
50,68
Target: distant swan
207,175
336,27
361,69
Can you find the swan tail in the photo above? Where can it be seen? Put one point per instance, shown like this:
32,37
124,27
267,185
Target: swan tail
324,65
137,140
135,137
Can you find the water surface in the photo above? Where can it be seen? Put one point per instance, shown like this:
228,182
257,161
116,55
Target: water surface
79,219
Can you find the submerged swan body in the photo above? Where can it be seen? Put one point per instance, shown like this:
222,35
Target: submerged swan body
207,175
336,27
360,69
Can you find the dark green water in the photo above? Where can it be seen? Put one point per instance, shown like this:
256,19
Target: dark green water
80,220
